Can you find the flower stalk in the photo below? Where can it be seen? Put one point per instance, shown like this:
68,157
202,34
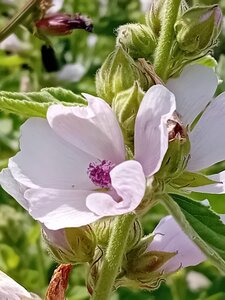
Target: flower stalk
113,257
18,19
162,52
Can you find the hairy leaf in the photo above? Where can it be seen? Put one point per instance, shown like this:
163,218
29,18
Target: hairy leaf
36,104
201,224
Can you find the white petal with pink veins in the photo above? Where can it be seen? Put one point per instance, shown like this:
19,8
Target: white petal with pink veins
169,237
208,137
193,89
55,237
58,209
151,136
129,182
93,129
46,160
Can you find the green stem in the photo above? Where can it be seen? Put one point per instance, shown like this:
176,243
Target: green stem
162,52
113,257
17,19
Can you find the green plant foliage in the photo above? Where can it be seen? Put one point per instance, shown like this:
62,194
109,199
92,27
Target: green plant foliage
203,226
28,88
36,104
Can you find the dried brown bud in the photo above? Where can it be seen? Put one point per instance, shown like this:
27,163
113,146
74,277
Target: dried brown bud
59,282
63,24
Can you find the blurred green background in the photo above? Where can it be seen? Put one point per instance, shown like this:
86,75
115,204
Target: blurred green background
25,66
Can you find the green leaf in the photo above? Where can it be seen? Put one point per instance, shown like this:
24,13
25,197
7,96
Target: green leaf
36,104
217,202
201,224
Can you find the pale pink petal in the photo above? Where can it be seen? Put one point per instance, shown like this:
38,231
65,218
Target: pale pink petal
214,188
129,182
193,89
12,187
58,209
11,290
151,136
93,129
208,137
55,237
169,237
46,160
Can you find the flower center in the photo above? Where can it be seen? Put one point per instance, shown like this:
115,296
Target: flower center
99,173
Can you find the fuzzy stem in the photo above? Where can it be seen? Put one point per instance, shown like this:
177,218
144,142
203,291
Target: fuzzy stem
113,257
17,19
162,52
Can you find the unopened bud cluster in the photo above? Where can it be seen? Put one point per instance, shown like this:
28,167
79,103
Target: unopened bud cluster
117,74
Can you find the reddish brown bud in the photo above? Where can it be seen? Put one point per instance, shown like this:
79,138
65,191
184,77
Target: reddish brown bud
63,24
59,282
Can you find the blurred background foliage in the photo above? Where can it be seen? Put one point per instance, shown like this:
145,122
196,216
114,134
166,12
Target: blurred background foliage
28,65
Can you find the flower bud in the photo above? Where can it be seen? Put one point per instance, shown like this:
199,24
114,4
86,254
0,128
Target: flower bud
103,230
143,268
126,105
177,155
118,73
63,24
153,18
198,29
70,245
137,39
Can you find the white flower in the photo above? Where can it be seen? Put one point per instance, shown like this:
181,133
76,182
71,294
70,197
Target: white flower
71,169
13,44
71,72
169,237
11,290
197,281
194,91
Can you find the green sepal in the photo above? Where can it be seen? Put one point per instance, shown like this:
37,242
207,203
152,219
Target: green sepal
175,160
77,245
198,28
189,179
153,17
142,268
126,105
103,230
